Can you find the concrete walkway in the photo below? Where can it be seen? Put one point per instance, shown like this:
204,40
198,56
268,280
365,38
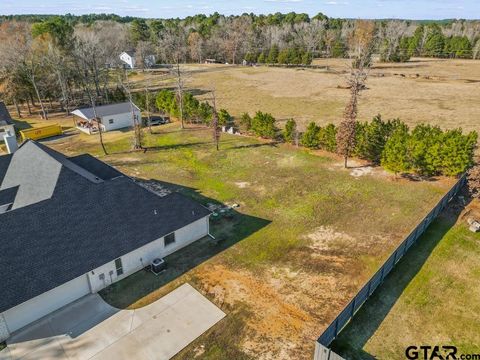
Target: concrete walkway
91,329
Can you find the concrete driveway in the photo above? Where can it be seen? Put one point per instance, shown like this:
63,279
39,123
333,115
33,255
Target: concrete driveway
91,329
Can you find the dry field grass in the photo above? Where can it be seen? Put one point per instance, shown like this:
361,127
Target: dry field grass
436,91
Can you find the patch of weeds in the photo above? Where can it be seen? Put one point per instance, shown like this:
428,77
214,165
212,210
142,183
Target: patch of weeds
223,340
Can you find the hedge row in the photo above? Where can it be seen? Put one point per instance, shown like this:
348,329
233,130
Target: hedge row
426,150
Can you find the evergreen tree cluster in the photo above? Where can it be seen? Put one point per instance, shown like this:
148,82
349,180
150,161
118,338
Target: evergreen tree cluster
166,101
286,56
429,41
426,150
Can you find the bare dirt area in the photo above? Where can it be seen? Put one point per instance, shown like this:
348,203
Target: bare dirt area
438,91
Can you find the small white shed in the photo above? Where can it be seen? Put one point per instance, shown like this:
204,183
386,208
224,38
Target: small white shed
109,117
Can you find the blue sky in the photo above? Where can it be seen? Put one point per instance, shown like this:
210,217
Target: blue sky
411,9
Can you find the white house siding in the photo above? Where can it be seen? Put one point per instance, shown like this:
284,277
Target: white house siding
143,256
128,60
34,309
119,120
187,235
4,333
4,129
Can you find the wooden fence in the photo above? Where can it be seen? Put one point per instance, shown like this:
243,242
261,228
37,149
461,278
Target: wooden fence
322,352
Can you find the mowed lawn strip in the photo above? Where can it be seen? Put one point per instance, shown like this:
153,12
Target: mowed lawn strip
307,236
431,298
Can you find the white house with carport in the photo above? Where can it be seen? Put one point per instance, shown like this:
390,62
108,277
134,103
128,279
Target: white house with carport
73,226
108,117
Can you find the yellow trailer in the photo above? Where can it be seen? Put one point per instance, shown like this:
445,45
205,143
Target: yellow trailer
41,132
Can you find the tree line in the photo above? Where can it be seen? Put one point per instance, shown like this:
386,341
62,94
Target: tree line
424,150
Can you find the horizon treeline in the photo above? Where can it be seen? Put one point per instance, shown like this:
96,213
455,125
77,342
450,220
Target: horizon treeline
292,38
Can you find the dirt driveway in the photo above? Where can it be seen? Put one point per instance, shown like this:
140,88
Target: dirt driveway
91,329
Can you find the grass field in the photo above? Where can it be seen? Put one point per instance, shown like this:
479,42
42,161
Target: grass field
444,92
306,236
431,298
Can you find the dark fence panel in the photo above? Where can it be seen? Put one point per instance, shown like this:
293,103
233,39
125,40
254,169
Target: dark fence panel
349,311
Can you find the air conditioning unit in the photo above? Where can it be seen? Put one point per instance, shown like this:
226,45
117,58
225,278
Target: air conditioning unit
158,265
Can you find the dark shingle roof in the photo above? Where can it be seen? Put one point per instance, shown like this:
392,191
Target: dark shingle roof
95,166
7,196
4,162
5,118
83,225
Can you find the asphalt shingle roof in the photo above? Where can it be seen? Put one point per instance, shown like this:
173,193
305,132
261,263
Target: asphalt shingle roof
105,110
83,225
5,118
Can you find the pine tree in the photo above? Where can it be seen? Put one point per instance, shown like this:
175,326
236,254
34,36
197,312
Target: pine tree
263,124
290,130
272,55
327,138
395,154
310,137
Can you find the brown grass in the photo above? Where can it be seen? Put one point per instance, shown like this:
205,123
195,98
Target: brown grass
445,92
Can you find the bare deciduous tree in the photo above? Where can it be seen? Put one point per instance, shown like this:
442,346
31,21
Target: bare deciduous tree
216,131
356,82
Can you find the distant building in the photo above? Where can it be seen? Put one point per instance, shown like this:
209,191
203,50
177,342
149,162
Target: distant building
128,58
109,117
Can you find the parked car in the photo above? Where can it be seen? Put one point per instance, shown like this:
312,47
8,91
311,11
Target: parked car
157,120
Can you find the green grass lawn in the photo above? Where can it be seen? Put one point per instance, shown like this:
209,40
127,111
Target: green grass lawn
305,238
431,298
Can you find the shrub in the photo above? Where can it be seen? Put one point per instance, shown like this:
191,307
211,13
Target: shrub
205,112
290,130
246,121
263,124
224,118
310,138
166,101
190,106
261,58
327,138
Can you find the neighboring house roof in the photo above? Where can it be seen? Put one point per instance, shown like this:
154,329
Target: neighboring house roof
90,217
5,118
105,110
129,53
